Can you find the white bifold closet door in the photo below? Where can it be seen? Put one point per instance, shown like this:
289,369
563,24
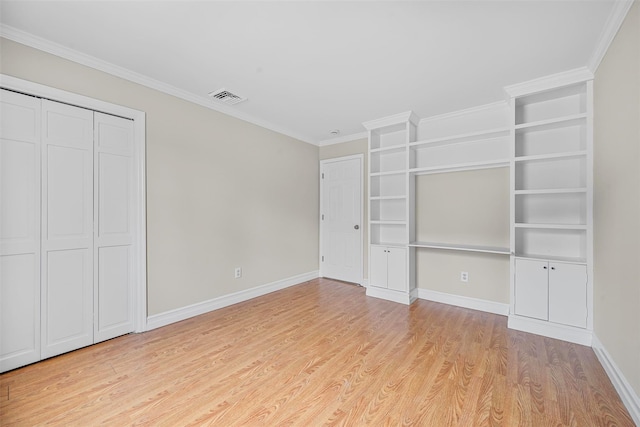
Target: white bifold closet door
66,242
67,228
19,230
113,234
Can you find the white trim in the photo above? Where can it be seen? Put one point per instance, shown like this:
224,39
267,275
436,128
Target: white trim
390,295
627,394
44,45
611,27
553,81
465,302
407,116
359,157
341,139
466,111
176,315
551,330
139,118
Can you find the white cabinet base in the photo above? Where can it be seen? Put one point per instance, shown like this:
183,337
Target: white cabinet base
551,330
391,295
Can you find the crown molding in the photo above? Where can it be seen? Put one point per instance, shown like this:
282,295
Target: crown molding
542,84
611,27
342,139
48,46
472,110
407,116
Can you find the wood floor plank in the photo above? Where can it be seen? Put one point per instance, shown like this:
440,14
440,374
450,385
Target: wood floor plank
320,353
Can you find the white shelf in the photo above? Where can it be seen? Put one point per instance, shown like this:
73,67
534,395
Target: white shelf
551,191
465,248
552,226
389,150
387,197
553,156
551,123
390,245
461,138
573,260
387,222
388,173
461,167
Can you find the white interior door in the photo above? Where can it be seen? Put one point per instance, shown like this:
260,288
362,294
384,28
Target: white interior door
113,235
67,228
341,218
19,230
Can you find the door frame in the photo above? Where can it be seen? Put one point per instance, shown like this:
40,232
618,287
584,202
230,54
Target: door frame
359,157
140,217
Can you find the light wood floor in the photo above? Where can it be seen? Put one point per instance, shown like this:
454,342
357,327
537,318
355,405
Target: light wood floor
315,354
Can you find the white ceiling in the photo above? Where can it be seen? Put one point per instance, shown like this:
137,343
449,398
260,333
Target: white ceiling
310,67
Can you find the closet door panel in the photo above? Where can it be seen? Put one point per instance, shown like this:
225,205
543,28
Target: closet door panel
67,223
113,232
19,230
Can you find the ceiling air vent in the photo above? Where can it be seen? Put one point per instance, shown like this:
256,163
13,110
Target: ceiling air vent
226,97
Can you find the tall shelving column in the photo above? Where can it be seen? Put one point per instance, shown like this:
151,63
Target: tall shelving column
551,208
389,206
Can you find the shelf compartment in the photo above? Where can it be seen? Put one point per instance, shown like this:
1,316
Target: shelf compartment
388,136
545,209
388,185
390,149
570,100
461,138
559,172
388,161
458,247
461,167
548,243
552,137
388,209
552,156
388,234
486,150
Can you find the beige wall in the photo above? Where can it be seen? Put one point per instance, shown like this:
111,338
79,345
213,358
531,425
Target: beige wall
351,148
472,208
617,199
221,192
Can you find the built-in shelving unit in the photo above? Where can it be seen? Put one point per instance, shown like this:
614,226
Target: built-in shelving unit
552,209
544,138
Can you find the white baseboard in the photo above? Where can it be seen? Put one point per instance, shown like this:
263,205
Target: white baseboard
172,316
627,394
465,302
551,330
391,295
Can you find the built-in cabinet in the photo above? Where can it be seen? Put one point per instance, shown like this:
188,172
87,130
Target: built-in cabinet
389,268
67,242
543,135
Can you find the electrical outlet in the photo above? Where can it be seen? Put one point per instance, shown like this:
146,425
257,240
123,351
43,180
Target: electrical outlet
238,272
464,276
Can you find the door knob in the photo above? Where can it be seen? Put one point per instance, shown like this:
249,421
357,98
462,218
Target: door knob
357,227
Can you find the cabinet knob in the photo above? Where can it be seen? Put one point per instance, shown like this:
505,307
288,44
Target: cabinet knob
357,227
553,268
545,267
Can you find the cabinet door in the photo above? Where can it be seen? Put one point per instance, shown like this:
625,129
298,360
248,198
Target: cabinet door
568,294
397,269
532,288
378,266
